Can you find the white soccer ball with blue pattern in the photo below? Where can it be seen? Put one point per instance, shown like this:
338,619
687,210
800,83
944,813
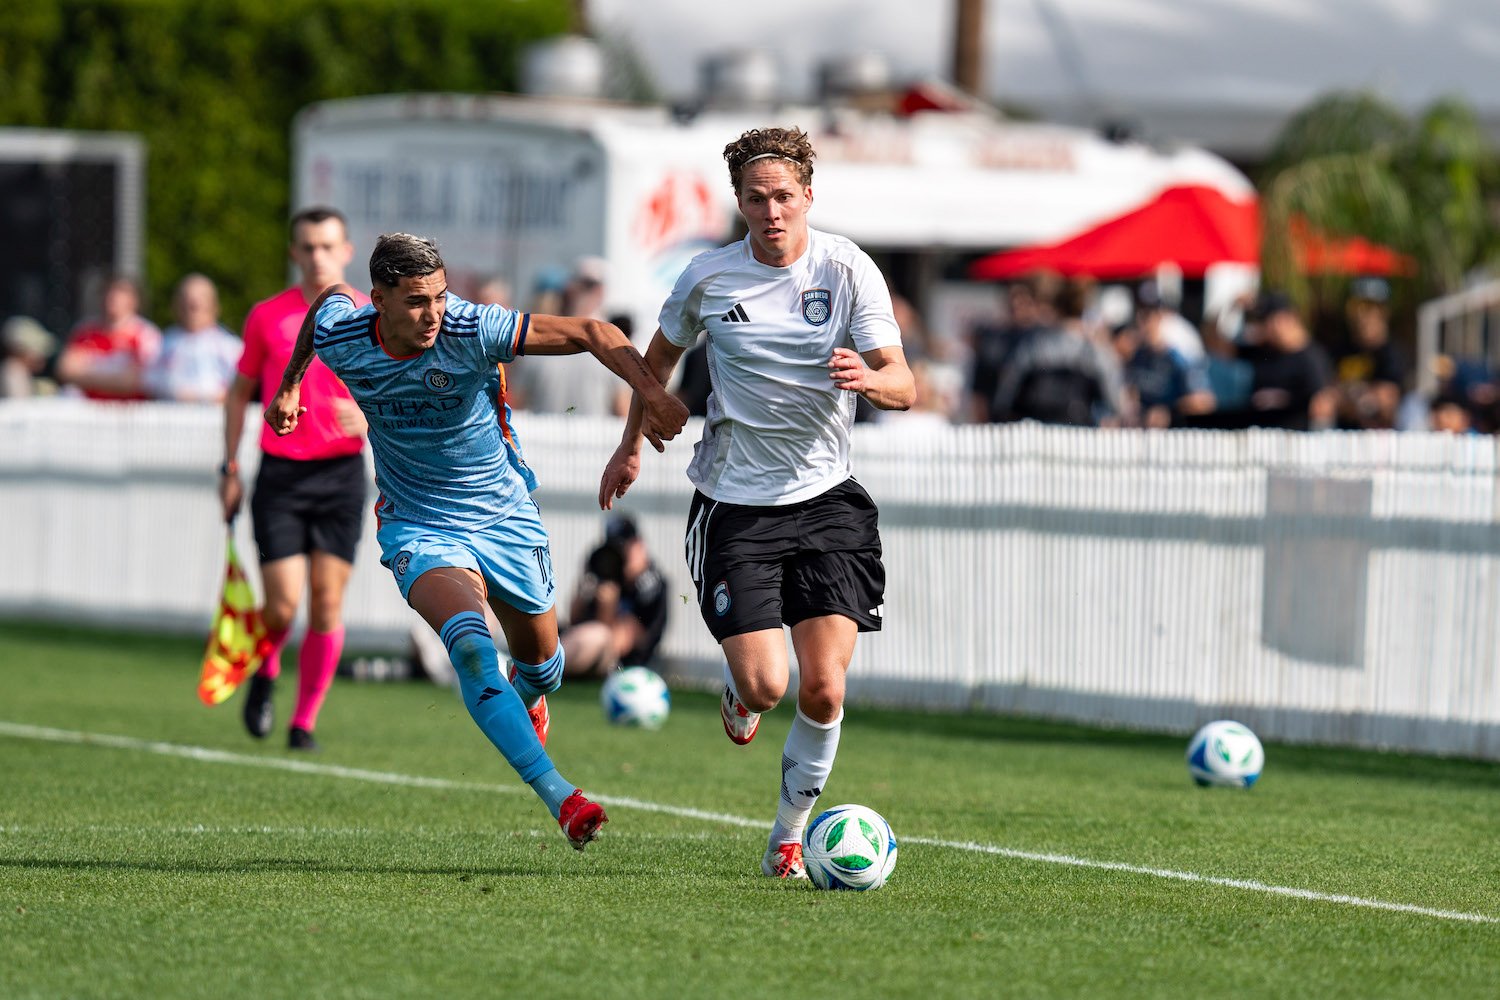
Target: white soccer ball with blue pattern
1225,753
636,696
849,847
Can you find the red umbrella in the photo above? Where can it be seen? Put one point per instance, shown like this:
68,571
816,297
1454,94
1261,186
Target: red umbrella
1320,253
1190,226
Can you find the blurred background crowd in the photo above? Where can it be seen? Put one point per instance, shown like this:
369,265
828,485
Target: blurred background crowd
1057,350
1370,207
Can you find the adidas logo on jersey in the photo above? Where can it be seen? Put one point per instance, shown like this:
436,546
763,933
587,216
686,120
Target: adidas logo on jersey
736,315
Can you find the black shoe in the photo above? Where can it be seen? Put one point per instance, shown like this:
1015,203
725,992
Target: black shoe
260,711
300,739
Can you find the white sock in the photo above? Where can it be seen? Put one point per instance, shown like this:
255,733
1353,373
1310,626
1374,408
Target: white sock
806,762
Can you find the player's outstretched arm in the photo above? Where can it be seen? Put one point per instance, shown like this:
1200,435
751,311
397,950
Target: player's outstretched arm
881,376
625,464
285,408
663,413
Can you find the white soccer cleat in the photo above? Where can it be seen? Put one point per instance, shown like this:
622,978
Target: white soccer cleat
740,723
783,861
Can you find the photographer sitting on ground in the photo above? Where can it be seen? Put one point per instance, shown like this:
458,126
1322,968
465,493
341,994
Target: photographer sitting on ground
620,609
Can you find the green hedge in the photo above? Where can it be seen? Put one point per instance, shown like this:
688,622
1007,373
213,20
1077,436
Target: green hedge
213,87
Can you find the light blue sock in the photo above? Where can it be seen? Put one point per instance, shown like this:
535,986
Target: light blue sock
552,788
533,680
493,703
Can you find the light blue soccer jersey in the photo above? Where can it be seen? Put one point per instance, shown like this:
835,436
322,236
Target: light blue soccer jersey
445,452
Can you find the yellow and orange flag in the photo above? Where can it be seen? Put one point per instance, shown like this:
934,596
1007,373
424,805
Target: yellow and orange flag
237,641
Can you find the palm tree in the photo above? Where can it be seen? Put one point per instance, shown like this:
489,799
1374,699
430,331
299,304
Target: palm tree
1353,165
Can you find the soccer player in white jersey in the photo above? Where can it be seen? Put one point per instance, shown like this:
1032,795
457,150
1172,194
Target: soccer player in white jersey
779,532
457,525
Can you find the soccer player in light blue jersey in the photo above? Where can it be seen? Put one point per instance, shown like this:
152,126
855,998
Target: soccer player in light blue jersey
457,525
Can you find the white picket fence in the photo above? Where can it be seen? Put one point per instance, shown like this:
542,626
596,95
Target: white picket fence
1330,588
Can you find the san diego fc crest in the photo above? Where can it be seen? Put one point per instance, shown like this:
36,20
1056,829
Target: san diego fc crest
817,305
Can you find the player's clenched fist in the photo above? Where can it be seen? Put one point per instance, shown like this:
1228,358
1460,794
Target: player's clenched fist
284,410
664,418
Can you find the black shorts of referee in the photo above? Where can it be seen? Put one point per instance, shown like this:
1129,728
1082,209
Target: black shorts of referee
301,506
761,567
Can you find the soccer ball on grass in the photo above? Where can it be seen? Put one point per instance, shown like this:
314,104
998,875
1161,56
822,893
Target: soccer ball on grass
849,847
636,696
1225,753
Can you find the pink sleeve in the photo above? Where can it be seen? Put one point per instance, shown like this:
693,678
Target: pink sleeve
253,356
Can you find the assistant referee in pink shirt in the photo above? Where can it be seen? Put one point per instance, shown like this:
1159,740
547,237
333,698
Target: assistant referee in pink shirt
315,475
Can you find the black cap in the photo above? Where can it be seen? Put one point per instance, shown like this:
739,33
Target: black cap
1269,303
1148,296
620,529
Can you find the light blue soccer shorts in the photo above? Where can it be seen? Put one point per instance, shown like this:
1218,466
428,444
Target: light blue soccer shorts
511,555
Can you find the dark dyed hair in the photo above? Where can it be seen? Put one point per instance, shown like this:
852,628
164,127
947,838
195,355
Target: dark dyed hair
316,214
789,144
402,255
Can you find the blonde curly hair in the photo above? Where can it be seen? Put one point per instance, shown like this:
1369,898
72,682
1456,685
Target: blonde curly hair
791,144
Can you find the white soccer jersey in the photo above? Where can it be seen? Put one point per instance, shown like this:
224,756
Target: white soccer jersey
777,430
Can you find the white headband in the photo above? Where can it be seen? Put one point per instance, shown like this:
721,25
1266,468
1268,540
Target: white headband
762,156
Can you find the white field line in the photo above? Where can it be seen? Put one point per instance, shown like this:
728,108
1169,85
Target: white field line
210,756
313,832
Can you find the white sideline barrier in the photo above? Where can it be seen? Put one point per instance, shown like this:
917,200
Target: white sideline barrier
1330,588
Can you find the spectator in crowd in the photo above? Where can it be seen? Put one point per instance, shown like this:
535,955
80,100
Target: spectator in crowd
547,291
1164,384
108,357
198,356
1370,371
1178,332
309,501
1449,414
25,348
929,413
1468,379
574,384
1059,374
1291,384
1029,307
934,364
619,611
494,292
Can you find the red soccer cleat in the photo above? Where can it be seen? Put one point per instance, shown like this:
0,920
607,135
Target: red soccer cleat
580,819
541,721
784,861
740,723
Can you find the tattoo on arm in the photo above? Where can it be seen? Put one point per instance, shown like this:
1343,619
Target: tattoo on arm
302,352
647,375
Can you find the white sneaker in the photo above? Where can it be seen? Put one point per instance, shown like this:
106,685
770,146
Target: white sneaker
783,861
740,723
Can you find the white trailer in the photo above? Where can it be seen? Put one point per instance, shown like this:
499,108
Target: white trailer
519,186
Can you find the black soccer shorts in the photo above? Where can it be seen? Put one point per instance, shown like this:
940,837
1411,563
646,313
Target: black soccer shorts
299,507
761,567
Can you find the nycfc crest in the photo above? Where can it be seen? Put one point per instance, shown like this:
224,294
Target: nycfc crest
402,563
817,305
721,599
438,380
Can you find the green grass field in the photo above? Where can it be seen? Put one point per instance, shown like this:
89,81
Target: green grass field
149,848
